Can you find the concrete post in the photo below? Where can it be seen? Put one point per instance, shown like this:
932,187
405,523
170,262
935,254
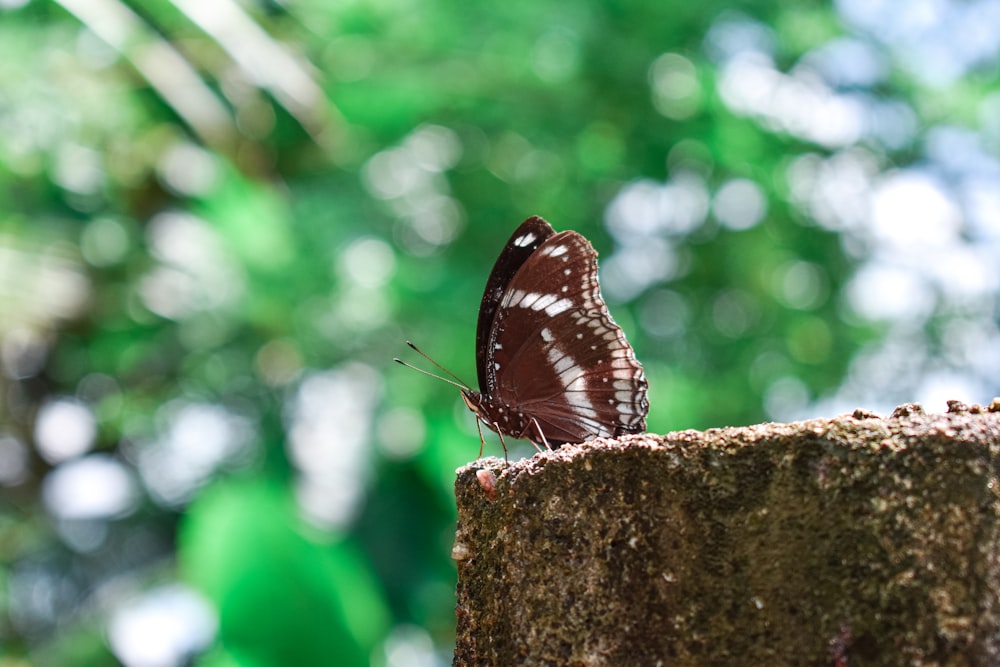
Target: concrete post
858,539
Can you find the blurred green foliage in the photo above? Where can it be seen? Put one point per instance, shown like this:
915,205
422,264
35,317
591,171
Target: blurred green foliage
219,223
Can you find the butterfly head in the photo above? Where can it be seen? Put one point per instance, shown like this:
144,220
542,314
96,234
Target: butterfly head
475,400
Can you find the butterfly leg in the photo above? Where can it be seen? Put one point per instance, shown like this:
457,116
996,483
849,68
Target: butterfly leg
502,443
538,430
482,440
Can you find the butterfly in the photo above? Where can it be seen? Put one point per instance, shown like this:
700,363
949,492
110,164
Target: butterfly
553,366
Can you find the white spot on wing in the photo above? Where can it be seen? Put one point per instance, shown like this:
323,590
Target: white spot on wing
543,301
547,335
563,364
514,298
538,301
560,306
555,251
524,240
574,384
582,408
528,299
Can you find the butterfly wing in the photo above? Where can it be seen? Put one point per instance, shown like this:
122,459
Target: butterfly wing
555,354
523,242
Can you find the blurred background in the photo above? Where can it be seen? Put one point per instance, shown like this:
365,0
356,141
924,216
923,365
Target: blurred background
219,221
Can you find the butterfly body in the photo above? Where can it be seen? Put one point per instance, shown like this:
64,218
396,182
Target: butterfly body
553,365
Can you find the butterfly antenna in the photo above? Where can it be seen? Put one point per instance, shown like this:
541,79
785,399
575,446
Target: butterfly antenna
461,386
428,358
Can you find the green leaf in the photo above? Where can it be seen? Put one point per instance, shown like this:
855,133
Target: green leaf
283,599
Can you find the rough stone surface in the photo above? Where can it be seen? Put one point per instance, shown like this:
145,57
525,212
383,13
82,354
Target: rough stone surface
859,539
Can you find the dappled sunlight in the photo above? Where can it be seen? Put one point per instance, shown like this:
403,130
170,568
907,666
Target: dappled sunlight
911,211
942,40
801,285
39,285
797,104
90,487
739,204
634,268
923,236
835,191
197,271
673,81
188,169
401,433
64,428
409,176
162,627
14,458
221,221
410,646
197,441
160,63
368,262
925,240
329,427
879,292
646,208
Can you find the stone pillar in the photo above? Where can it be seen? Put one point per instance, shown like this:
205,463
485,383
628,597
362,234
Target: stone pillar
854,540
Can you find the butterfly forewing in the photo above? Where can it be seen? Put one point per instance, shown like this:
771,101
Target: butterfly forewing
523,242
554,358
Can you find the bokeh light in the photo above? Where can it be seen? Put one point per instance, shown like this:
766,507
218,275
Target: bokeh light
64,428
164,627
221,221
